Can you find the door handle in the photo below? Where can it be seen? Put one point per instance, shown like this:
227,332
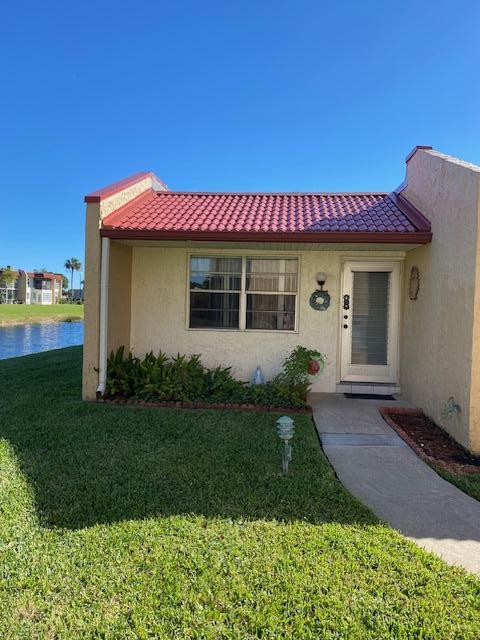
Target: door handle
345,326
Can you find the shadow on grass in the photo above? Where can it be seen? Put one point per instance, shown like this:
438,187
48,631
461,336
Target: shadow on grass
90,463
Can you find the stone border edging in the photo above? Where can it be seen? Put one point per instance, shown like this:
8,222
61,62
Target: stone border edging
386,412
255,408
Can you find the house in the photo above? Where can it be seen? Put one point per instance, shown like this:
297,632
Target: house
241,278
32,288
43,287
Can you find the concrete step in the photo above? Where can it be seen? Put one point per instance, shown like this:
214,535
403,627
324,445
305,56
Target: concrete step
368,387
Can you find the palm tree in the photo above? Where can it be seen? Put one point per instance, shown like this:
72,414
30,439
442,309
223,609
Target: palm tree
72,264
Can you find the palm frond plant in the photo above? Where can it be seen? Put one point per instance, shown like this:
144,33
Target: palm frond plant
72,265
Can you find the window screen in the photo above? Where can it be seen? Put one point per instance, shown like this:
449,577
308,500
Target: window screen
370,317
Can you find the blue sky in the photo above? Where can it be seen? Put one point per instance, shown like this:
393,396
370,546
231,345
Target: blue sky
245,96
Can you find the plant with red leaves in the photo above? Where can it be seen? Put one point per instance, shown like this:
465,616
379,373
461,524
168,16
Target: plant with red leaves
300,364
313,367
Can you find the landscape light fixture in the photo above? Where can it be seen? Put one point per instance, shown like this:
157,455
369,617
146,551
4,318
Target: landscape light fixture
285,430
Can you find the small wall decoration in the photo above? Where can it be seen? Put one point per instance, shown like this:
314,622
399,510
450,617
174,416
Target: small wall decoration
414,283
450,408
320,300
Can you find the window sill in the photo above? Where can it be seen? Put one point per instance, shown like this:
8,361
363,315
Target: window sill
216,330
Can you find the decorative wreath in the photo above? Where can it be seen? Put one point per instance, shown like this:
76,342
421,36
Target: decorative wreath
320,300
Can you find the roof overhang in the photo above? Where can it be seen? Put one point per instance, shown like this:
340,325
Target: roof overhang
356,237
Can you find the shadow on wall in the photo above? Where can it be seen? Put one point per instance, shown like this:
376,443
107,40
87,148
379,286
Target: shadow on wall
90,463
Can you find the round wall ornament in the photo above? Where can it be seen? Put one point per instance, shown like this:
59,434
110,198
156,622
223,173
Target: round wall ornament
320,300
414,283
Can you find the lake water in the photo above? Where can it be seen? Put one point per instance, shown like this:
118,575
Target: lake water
19,340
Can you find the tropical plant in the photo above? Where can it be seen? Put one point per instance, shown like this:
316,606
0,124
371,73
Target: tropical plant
72,265
7,278
123,374
298,368
186,379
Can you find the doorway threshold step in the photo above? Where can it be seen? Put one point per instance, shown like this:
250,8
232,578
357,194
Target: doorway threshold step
376,388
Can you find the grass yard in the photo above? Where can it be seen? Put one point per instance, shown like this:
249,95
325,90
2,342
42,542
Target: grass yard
118,522
468,482
23,313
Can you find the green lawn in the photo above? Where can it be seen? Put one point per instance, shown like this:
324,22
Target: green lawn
118,522
468,482
14,313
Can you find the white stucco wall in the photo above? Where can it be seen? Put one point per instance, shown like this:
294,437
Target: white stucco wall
160,303
437,337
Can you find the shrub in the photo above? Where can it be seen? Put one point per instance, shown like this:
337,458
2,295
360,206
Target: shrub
123,374
161,377
299,365
186,379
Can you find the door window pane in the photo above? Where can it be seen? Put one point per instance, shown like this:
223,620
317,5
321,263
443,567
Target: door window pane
370,317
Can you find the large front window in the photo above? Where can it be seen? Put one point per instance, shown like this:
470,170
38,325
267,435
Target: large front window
243,293
42,283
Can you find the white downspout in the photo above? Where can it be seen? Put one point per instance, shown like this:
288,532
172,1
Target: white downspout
103,329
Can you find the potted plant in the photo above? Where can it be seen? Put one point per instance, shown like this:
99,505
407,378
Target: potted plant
299,367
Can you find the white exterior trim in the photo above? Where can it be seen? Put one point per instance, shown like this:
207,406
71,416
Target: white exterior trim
103,326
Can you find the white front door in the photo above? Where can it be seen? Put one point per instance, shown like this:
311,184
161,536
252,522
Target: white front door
369,321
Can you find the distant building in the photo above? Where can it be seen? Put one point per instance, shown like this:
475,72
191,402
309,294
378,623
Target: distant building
32,287
76,295
43,287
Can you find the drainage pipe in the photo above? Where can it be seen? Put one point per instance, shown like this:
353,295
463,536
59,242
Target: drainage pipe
103,329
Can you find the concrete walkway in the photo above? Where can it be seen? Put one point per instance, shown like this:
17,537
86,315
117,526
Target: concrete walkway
377,467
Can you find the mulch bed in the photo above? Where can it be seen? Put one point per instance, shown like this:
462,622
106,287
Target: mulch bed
134,402
429,441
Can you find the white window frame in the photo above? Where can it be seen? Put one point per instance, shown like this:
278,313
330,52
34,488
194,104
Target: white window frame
242,309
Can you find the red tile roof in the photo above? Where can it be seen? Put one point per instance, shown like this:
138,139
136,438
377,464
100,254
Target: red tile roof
46,275
364,217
